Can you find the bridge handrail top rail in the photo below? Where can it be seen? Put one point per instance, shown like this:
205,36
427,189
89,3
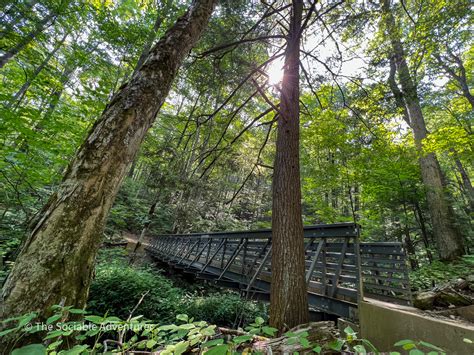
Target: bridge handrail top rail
252,233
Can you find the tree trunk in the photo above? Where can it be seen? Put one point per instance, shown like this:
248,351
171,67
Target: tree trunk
288,296
57,260
16,100
39,28
151,37
448,239
424,232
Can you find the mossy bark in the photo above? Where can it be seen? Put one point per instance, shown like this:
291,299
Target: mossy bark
448,238
56,262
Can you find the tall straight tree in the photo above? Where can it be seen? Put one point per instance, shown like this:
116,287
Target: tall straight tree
57,260
447,236
288,298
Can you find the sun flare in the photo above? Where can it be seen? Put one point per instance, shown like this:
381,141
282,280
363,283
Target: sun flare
275,72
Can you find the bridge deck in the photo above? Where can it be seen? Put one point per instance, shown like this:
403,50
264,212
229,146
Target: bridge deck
336,264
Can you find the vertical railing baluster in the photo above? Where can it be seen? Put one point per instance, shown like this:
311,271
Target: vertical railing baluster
323,268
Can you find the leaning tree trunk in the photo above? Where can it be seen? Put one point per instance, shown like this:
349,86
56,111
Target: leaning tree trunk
448,239
288,296
57,260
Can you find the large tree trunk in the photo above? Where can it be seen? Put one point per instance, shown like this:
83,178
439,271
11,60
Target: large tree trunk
288,297
57,261
448,239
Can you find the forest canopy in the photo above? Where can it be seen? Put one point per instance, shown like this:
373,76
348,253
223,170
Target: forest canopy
158,117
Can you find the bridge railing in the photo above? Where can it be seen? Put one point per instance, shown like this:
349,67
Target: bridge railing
335,263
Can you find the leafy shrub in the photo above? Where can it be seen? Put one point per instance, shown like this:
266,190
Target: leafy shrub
225,308
104,334
439,272
117,288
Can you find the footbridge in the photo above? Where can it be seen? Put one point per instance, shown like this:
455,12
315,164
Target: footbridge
340,270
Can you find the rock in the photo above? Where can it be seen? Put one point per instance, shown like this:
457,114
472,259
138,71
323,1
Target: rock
425,300
450,297
461,284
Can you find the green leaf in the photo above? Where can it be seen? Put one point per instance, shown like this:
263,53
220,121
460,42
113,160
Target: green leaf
360,349
242,339
32,349
416,352
304,342
209,331
182,317
211,343
317,349
403,342
112,320
336,344
76,350
431,346
468,341
77,311
26,319
218,350
168,327
349,331
94,319
7,331
369,345
54,345
181,347
151,343
408,346
259,321
53,318
269,330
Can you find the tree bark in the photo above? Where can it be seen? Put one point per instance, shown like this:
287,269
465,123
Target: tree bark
151,37
57,260
288,295
466,182
39,28
448,239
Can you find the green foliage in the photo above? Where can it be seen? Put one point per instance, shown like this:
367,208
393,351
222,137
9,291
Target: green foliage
108,333
224,308
259,327
418,348
61,335
117,288
439,272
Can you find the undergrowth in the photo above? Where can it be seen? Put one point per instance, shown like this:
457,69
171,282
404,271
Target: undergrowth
439,272
118,287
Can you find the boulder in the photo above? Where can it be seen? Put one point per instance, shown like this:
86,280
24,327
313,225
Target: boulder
425,300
